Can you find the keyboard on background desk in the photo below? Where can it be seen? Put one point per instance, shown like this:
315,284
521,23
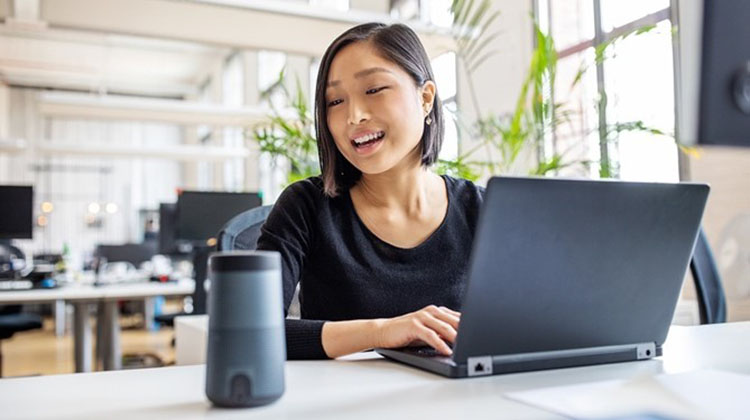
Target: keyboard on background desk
27,284
16,285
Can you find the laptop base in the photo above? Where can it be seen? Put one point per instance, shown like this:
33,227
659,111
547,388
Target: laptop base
513,363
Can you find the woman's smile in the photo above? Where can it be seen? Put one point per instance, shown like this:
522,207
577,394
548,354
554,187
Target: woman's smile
367,143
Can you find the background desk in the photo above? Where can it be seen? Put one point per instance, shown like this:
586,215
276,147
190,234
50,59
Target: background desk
364,386
81,296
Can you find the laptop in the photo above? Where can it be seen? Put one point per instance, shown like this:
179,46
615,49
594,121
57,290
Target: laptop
569,273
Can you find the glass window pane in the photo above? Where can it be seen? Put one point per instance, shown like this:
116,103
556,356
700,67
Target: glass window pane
331,4
444,68
439,12
233,83
270,64
572,21
405,9
314,66
576,137
616,13
639,85
449,150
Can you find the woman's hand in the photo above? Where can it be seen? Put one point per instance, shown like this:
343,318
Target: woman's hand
431,325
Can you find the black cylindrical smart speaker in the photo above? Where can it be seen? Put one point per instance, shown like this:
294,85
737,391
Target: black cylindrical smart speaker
246,344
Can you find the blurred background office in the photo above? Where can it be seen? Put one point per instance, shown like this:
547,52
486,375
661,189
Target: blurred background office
140,127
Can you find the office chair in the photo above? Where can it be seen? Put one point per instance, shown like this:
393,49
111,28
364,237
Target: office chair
711,301
12,320
242,233
243,230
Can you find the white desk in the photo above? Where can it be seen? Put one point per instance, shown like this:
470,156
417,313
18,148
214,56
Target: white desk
108,329
360,387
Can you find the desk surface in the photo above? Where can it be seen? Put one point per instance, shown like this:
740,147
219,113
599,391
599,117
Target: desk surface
78,292
362,386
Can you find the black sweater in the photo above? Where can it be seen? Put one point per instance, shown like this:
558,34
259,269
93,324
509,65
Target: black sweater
346,272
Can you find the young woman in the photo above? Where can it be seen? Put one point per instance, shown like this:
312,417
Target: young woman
378,243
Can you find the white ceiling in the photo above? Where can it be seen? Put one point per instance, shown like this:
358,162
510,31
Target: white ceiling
157,47
88,61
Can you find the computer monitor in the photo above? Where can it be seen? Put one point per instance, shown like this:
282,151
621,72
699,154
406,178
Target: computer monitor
201,214
168,229
725,74
132,253
16,211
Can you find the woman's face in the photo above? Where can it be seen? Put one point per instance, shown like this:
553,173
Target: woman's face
375,110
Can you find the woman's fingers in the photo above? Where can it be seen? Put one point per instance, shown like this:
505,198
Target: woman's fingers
444,329
450,311
430,337
448,317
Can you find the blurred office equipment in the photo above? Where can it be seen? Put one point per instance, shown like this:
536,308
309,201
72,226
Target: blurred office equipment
198,218
134,254
201,214
724,120
16,214
16,211
167,236
725,74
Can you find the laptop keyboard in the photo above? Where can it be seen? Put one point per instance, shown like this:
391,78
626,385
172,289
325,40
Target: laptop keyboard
425,351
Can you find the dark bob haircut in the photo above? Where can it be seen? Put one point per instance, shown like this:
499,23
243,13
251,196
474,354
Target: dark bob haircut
396,43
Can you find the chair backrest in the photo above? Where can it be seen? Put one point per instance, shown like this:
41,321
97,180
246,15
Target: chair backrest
242,231
711,301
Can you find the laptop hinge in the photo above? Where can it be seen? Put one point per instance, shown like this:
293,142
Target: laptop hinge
642,351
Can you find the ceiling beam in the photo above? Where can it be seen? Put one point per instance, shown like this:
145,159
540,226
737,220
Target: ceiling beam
73,105
219,24
182,152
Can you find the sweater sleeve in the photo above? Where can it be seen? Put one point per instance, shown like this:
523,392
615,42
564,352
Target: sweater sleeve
289,230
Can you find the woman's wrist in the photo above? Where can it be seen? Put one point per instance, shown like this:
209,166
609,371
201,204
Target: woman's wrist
340,338
375,332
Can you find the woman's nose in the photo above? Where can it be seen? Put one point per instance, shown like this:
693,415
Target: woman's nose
357,113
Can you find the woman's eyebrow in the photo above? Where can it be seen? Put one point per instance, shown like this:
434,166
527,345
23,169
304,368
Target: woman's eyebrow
360,74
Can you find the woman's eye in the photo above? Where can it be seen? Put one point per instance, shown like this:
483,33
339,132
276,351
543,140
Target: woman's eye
334,102
374,90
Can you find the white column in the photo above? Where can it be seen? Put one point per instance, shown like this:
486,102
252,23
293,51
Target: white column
690,15
4,129
252,98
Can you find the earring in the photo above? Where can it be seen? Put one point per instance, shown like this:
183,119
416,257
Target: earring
428,121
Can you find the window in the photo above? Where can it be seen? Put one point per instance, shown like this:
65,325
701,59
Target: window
637,77
435,12
270,64
331,4
233,82
444,68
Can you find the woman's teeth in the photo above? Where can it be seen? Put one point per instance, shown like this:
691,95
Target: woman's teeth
359,141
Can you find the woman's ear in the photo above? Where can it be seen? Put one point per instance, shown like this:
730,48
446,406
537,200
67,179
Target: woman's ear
428,90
